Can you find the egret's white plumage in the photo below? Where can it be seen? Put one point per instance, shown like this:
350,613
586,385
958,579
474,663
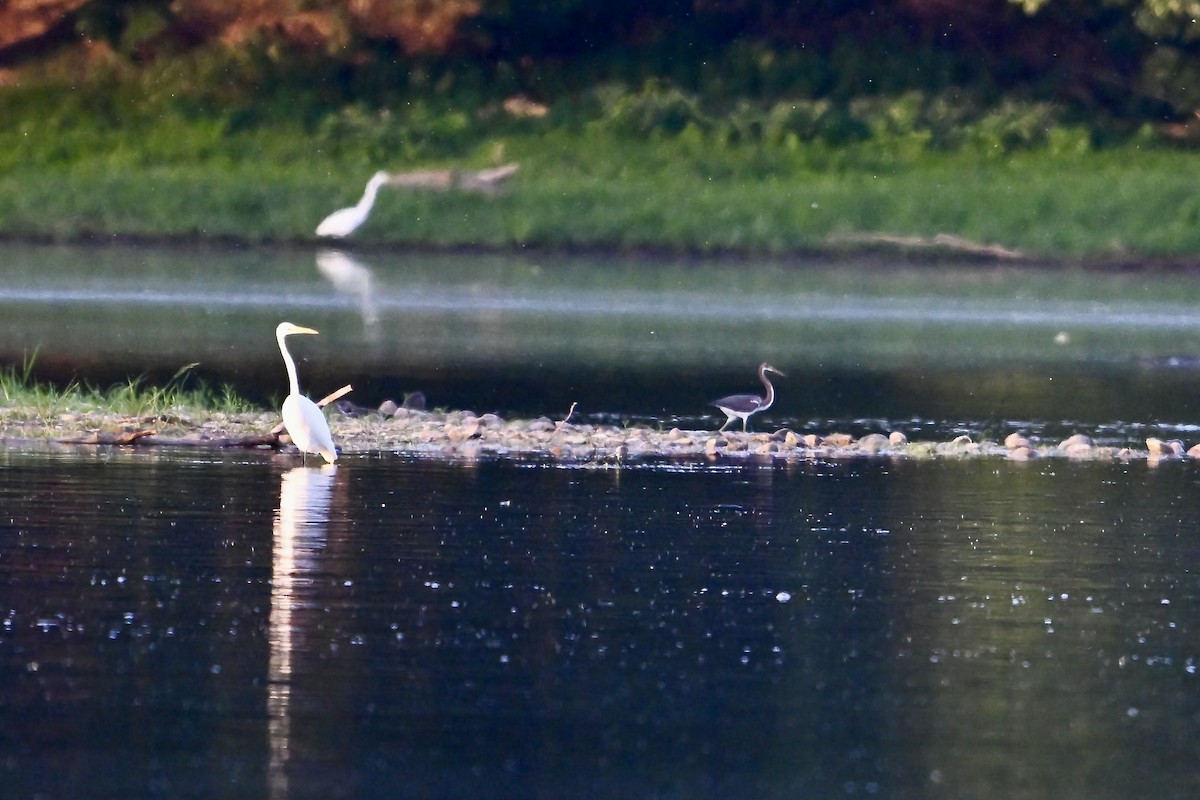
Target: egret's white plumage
346,221
303,419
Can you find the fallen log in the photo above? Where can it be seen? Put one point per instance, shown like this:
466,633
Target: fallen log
118,438
484,181
248,442
151,437
945,241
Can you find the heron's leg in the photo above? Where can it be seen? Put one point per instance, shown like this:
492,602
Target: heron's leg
745,422
728,419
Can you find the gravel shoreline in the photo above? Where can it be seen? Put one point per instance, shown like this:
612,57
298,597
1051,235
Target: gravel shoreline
463,435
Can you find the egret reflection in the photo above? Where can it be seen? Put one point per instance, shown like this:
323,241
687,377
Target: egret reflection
350,276
305,494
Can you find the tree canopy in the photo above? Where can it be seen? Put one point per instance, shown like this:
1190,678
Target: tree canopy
1124,59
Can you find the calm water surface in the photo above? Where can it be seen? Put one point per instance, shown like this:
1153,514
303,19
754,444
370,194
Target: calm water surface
196,625
867,346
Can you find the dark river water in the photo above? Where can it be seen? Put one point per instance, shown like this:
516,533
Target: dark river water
205,625
182,625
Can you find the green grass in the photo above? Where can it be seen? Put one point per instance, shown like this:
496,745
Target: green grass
624,170
24,398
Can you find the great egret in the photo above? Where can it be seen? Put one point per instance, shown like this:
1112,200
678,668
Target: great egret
346,221
743,405
303,419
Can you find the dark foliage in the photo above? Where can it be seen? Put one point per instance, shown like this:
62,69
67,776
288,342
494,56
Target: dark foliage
1099,59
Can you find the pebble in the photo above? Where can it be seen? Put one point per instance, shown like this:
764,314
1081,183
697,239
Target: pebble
1016,441
469,429
959,445
1172,448
1077,447
874,443
1076,440
1022,453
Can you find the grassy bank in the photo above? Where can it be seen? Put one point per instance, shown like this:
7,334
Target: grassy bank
43,409
623,173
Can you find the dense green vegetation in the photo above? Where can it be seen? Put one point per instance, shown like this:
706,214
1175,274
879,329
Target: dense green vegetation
636,171
756,131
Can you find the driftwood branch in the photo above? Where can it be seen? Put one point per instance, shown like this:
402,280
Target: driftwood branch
151,437
945,241
324,401
119,438
484,181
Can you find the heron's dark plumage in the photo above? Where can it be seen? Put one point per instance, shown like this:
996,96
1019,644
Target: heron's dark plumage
743,405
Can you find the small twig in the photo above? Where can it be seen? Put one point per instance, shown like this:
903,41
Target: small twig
558,426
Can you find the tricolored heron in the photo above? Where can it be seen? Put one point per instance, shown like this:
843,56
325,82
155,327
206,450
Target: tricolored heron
346,221
303,419
743,405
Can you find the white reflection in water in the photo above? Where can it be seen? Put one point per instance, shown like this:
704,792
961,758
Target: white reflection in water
350,277
304,498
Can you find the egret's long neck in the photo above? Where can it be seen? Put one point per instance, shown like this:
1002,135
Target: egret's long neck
770,398
368,198
291,365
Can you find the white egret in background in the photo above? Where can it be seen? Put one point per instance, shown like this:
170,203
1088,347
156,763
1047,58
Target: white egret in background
743,405
302,417
346,221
